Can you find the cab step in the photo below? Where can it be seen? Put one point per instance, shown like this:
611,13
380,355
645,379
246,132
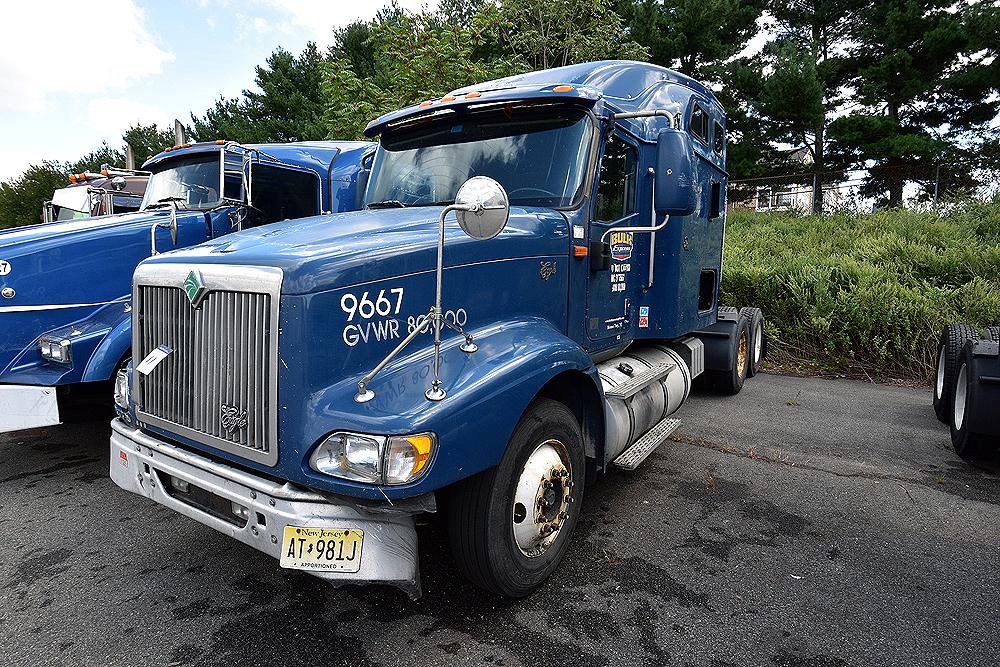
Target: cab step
644,446
640,381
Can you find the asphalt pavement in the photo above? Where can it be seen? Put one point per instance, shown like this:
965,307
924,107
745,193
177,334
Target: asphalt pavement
803,523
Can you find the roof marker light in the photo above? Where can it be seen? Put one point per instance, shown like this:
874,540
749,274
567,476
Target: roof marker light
220,142
562,89
426,103
72,178
470,96
448,98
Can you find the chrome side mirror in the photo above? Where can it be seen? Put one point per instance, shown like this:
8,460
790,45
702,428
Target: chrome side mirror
482,208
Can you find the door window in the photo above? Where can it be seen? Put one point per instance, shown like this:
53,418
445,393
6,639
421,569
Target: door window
616,186
281,194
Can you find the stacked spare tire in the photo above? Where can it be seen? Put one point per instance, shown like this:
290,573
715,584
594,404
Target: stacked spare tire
967,388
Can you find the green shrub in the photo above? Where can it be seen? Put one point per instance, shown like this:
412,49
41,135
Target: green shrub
866,291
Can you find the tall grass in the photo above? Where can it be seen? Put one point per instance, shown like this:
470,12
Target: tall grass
866,291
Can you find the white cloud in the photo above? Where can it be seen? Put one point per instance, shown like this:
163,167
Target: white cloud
319,18
73,48
110,116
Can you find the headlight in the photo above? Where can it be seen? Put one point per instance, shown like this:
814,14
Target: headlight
374,458
56,350
121,389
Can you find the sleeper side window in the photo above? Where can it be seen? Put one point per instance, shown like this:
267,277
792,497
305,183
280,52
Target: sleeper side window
698,124
719,138
616,185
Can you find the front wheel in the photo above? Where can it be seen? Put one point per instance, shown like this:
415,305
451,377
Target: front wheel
509,526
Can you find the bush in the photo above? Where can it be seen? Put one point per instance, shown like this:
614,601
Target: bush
866,291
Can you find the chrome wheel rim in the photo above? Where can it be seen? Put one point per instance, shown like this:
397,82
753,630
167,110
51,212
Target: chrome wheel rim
758,344
960,399
939,384
542,498
741,355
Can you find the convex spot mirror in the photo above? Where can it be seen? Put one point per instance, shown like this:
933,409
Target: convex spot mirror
674,191
482,208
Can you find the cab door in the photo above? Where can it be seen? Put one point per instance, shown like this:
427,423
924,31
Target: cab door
609,308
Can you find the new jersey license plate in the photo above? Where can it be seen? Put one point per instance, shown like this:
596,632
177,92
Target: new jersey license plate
323,549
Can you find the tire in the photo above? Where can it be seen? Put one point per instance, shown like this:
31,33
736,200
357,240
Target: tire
730,382
483,511
950,345
758,339
967,444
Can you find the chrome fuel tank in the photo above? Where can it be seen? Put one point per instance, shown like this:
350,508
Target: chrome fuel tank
628,418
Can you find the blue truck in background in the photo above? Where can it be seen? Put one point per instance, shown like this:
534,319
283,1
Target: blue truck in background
65,286
529,292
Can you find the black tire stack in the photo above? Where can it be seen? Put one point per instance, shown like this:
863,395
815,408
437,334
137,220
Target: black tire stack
967,388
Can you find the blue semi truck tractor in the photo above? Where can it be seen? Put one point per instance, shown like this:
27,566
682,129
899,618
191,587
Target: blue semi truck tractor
65,287
530,292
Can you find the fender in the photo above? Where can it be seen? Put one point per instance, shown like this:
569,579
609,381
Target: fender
488,391
115,346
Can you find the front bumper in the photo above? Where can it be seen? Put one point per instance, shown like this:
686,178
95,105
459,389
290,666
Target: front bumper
24,407
143,465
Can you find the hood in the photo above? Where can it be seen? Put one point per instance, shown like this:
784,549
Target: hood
331,251
58,230
85,261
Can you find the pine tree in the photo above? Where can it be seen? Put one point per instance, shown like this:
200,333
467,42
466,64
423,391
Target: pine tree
807,67
926,87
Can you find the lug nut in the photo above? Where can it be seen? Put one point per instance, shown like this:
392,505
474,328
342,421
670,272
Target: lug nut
271,502
274,539
253,495
569,499
253,529
547,484
564,515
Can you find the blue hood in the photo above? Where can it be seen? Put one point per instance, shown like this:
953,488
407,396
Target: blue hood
62,272
330,251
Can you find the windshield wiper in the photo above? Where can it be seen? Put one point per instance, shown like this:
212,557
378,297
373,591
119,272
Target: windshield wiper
389,203
165,201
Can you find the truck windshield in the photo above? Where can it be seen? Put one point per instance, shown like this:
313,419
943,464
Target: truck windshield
538,153
192,182
72,202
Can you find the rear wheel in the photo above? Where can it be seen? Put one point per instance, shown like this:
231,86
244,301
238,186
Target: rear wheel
758,340
509,526
967,444
953,338
731,380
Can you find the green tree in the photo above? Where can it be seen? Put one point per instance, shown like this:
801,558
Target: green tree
418,57
558,32
94,160
808,67
926,82
21,198
696,37
289,105
146,141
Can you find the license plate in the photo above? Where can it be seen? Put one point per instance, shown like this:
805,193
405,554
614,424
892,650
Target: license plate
323,549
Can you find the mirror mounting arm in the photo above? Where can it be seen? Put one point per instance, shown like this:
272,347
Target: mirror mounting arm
172,226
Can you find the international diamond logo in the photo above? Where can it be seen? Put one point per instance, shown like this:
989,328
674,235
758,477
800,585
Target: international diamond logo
194,288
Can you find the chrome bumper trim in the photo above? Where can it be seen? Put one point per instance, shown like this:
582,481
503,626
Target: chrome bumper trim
140,464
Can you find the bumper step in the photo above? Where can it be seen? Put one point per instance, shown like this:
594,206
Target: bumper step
644,446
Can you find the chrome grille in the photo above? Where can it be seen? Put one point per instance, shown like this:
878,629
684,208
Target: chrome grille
218,384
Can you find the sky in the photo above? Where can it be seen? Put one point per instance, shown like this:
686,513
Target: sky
73,74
